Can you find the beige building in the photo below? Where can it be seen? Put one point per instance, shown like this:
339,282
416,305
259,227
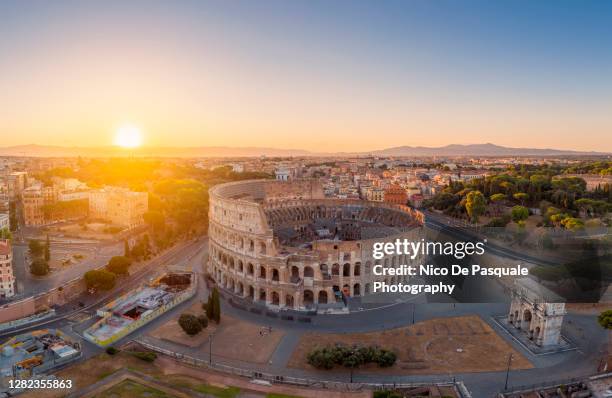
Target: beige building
17,181
118,206
33,201
7,279
375,194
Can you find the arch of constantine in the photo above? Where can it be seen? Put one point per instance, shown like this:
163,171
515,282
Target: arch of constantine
537,312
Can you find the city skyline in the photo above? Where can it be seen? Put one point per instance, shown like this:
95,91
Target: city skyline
323,77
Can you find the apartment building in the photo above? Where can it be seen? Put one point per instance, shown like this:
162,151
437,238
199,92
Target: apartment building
17,181
33,202
7,279
119,206
396,195
5,221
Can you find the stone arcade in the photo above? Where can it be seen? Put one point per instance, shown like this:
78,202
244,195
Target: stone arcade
537,311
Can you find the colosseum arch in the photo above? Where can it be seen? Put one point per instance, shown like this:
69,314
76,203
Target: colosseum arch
322,297
308,298
289,301
335,269
275,298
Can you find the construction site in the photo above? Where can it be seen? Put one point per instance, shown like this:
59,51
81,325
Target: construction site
35,353
122,316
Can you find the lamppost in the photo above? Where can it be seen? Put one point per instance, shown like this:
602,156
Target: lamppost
508,371
352,364
210,339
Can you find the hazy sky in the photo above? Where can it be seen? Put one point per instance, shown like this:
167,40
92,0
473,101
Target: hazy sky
323,75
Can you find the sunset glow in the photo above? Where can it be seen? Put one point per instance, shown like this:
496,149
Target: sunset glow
128,136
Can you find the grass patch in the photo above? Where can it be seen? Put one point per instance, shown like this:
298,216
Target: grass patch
219,392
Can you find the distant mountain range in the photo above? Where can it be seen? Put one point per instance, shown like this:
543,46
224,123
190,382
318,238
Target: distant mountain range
478,150
190,152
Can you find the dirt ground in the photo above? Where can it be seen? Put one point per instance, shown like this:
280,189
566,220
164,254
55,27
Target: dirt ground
89,230
437,346
232,338
172,332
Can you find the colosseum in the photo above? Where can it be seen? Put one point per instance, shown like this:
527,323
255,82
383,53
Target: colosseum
285,245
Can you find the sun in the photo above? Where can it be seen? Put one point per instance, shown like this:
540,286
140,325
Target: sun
128,136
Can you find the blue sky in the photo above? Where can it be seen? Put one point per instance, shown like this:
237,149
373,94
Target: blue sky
355,74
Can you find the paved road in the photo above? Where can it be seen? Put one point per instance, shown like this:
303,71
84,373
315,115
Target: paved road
95,255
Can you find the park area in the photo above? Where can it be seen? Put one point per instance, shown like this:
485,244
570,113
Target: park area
232,339
84,230
436,346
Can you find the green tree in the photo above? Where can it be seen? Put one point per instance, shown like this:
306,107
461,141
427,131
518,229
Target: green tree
13,222
519,213
39,267
497,199
190,324
209,308
605,319
216,305
47,249
203,321
146,246
475,205
572,223
521,197
155,220
6,233
35,248
119,265
100,279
